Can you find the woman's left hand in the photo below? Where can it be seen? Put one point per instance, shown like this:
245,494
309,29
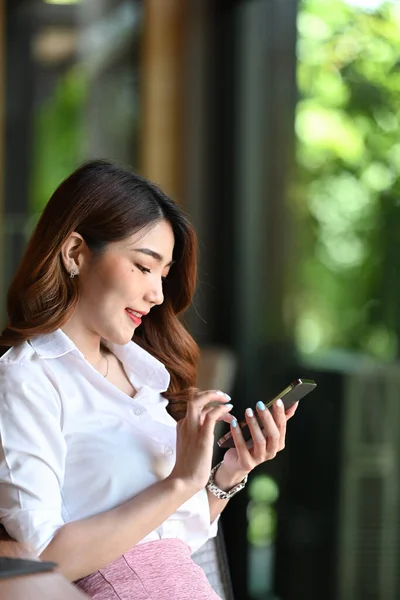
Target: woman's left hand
239,461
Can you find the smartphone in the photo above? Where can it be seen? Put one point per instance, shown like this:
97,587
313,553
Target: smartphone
11,567
289,396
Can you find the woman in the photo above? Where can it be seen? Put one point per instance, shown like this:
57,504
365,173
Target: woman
106,445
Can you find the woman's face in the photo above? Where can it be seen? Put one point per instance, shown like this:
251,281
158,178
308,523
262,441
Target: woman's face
120,286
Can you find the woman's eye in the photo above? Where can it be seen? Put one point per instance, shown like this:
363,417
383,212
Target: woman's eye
143,269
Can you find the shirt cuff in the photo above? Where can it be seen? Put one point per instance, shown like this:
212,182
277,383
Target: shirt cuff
214,528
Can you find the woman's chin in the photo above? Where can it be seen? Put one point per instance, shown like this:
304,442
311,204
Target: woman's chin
121,337
127,337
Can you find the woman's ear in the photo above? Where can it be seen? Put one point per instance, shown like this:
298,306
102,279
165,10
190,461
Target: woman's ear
74,253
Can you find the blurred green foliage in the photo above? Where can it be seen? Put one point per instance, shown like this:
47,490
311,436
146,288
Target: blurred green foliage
262,488
346,196
261,524
58,135
261,514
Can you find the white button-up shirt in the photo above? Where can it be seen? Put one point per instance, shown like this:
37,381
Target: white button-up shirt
73,445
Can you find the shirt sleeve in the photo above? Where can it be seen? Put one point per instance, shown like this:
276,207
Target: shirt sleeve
198,529
214,527
32,455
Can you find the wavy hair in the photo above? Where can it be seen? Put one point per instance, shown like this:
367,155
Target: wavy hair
105,203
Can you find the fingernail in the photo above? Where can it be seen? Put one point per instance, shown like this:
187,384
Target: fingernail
234,423
230,406
279,403
260,405
223,394
249,412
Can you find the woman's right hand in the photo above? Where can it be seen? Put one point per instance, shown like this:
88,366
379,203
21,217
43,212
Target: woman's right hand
195,438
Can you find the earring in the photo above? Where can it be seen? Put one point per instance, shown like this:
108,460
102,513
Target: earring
73,273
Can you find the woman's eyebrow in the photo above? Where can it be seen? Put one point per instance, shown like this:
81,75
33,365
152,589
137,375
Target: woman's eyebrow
154,255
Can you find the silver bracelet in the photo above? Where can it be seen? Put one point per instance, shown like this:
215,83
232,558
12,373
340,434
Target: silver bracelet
216,491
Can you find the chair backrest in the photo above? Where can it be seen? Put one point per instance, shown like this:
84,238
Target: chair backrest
217,370
213,560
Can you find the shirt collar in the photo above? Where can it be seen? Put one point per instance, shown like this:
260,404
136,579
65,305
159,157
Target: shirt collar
53,345
138,361
142,364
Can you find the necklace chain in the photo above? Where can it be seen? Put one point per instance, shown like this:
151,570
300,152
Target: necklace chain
106,357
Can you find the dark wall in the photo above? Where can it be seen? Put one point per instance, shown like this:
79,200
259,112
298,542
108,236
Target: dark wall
245,245
18,111
250,156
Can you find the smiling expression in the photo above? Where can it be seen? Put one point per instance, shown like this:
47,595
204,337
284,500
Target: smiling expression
121,285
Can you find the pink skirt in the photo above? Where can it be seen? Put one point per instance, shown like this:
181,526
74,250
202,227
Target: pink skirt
159,570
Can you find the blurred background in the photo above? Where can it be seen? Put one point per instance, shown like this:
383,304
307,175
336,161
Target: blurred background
274,123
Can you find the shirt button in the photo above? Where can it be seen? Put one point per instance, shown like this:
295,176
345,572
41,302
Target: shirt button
168,450
138,412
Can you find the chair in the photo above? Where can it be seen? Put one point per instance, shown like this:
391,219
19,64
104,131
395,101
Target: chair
217,369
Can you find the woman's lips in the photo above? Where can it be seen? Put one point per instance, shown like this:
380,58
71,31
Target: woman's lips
134,318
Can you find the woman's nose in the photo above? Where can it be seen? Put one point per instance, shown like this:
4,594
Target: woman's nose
155,294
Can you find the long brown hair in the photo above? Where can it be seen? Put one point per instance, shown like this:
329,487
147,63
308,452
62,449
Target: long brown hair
105,203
